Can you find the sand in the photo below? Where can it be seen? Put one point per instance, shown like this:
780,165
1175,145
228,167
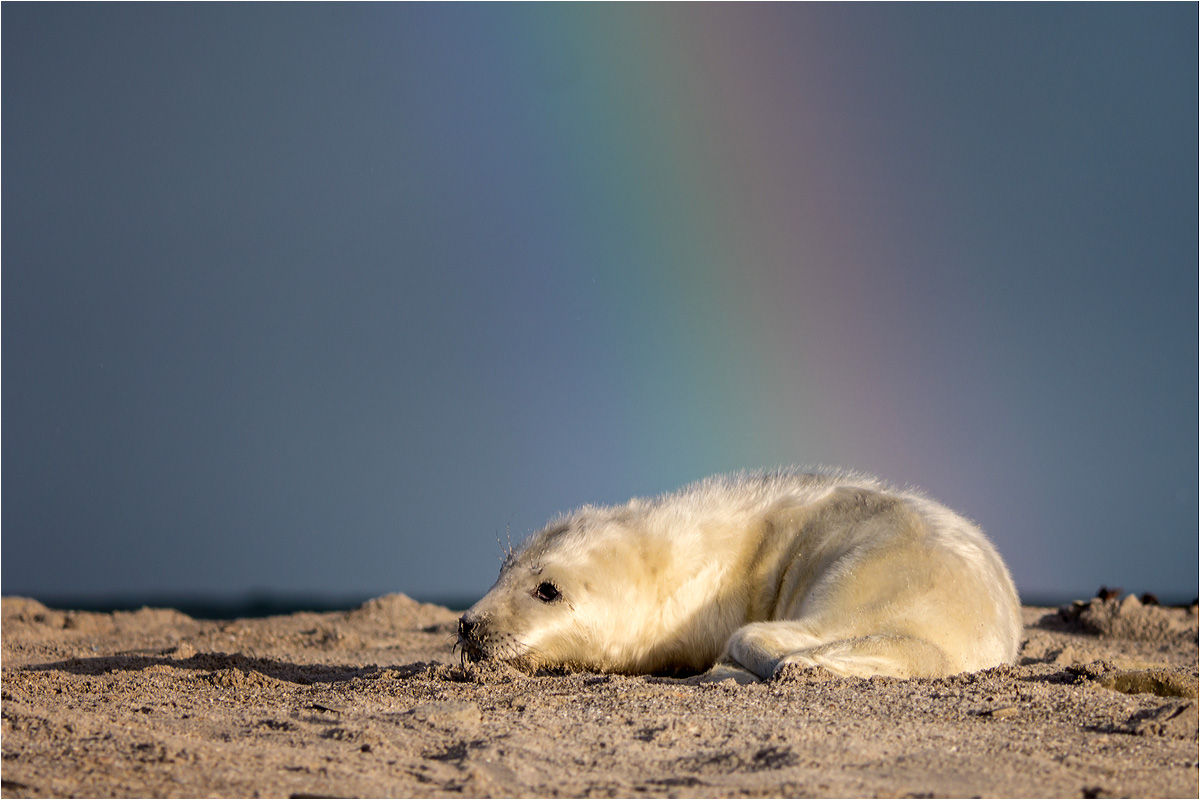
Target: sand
373,702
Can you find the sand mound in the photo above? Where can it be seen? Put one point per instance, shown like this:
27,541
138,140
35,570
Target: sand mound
1129,618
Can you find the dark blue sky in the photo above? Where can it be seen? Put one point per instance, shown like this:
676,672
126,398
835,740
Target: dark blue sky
322,298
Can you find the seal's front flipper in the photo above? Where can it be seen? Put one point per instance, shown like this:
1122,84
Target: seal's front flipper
759,646
725,672
764,647
881,654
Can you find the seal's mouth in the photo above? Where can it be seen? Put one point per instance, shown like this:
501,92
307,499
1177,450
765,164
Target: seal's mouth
479,641
469,642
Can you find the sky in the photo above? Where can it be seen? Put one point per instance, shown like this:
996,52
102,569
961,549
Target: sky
332,299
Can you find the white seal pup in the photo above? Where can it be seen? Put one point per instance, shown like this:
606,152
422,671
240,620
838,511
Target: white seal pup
741,575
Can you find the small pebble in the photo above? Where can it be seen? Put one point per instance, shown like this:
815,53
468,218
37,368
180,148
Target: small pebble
1002,712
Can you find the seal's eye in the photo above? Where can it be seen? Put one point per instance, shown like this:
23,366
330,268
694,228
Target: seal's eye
547,592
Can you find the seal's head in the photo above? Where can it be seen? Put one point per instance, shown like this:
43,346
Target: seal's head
584,593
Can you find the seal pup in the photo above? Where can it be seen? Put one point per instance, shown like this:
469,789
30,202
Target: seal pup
741,575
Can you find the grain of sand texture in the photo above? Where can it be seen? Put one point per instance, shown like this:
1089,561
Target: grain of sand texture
374,703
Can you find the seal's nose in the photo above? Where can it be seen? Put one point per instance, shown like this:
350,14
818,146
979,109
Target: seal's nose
468,643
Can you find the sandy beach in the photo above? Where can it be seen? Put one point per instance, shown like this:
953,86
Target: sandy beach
374,703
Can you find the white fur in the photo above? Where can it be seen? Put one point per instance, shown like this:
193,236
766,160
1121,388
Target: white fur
749,573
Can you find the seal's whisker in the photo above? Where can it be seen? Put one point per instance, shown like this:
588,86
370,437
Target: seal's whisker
506,548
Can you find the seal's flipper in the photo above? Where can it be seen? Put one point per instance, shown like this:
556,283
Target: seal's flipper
759,646
882,654
764,647
725,672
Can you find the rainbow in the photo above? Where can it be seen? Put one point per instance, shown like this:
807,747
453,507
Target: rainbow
741,271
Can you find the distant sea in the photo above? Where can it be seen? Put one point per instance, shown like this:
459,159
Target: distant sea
256,604
267,604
